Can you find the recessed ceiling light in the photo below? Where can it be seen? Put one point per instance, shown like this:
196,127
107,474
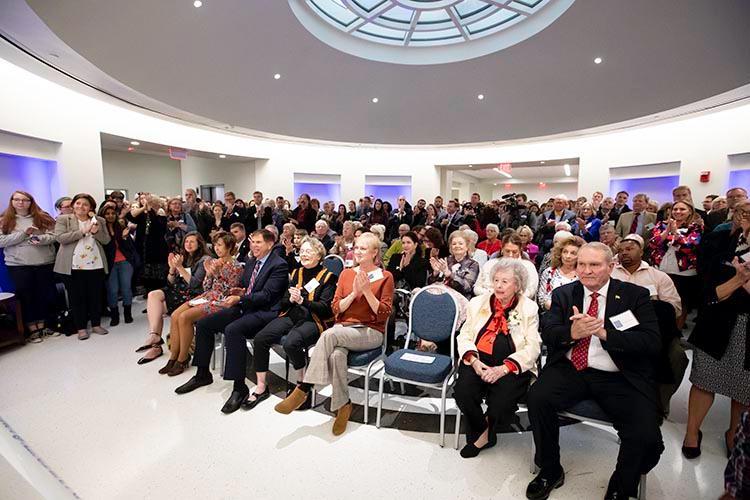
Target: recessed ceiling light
480,97
222,156
135,143
541,162
277,76
470,166
597,60
197,4
567,170
375,100
494,184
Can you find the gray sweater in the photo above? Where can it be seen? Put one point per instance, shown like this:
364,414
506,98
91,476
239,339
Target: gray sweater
19,249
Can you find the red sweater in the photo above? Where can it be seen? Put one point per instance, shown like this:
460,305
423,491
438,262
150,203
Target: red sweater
359,310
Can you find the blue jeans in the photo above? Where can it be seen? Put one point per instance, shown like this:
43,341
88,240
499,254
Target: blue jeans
119,279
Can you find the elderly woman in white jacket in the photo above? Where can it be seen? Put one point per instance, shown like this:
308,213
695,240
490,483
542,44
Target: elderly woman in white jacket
498,346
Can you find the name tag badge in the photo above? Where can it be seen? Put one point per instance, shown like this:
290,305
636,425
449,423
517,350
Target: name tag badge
375,275
588,226
296,257
349,263
624,321
349,246
312,285
745,257
652,290
455,267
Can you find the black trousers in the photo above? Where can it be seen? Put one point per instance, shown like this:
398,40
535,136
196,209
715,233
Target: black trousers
502,399
633,414
35,289
237,328
86,293
298,337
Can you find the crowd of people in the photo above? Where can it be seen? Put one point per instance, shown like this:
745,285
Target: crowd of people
606,289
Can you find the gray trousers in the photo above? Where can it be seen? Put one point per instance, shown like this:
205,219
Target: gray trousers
328,363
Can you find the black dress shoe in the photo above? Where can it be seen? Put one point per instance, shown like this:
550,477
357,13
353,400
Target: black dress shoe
691,452
193,384
250,404
541,487
235,401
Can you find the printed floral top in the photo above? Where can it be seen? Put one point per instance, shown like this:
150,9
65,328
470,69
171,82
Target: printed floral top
685,244
216,288
550,279
86,254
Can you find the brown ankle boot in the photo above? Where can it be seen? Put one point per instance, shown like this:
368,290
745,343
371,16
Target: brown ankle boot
293,401
342,418
179,367
166,368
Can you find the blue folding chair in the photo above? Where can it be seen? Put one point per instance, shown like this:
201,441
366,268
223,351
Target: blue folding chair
334,263
432,317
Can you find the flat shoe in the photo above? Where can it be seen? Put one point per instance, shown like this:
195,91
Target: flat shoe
83,334
691,452
179,367
146,347
235,401
250,404
153,353
99,330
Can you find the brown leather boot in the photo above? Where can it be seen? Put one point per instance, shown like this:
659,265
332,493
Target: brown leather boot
293,401
342,418
166,368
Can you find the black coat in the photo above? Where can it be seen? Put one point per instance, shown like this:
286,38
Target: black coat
269,287
415,274
251,220
152,247
634,351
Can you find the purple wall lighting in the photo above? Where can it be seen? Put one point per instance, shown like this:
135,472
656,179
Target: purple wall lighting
658,188
739,178
388,193
323,192
34,176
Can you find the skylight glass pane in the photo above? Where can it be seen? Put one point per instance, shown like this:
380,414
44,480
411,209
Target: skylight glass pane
398,14
334,10
434,16
493,21
436,35
527,3
382,32
470,7
368,5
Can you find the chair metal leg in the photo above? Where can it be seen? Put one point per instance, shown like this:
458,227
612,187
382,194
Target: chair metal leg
642,487
223,354
442,414
213,356
367,393
380,399
458,426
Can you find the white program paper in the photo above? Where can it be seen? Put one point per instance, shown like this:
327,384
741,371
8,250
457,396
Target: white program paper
418,358
198,302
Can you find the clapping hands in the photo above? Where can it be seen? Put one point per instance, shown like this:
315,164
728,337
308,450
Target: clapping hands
295,295
586,326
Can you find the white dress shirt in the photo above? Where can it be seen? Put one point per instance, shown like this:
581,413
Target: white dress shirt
598,357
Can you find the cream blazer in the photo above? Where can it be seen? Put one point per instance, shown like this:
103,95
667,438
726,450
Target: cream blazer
525,334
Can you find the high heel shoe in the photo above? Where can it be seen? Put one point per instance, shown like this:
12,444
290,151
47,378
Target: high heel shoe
168,367
154,352
146,347
179,367
691,452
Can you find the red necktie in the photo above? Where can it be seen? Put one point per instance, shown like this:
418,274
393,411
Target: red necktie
252,278
579,356
634,225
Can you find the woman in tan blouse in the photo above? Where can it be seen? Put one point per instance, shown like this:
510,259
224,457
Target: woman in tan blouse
364,297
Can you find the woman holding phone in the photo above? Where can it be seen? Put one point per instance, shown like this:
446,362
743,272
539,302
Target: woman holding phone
26,235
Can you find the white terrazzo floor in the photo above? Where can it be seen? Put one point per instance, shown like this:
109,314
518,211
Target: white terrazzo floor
108,428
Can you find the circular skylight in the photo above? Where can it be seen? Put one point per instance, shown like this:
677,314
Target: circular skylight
425,31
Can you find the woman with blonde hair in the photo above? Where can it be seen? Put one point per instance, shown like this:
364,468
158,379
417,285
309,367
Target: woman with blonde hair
364,297
562,269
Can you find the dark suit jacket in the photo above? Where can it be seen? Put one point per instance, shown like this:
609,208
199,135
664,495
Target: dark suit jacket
269,287
251,221
634,351
715,218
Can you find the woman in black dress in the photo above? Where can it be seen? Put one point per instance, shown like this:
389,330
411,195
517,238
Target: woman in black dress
150,241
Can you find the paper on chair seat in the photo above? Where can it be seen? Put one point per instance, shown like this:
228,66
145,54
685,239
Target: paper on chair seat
417,358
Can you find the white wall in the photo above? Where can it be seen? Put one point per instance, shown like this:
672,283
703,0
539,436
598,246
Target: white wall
141,173
235,175
36,107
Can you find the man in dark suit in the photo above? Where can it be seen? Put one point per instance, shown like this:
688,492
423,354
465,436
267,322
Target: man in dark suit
603,337
716,217
621,206
258,216
452,219
248,310
548,220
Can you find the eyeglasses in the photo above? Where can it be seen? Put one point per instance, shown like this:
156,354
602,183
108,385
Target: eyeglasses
743,214
21,200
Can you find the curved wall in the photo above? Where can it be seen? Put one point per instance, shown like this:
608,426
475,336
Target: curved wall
68,123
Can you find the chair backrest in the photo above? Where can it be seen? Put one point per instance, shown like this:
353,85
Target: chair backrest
433,316
334,263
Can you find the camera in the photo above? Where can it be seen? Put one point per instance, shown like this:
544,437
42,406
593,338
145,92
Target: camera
511,203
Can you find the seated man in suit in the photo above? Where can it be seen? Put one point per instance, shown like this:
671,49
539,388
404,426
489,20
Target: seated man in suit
602,335
247,311
638,221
